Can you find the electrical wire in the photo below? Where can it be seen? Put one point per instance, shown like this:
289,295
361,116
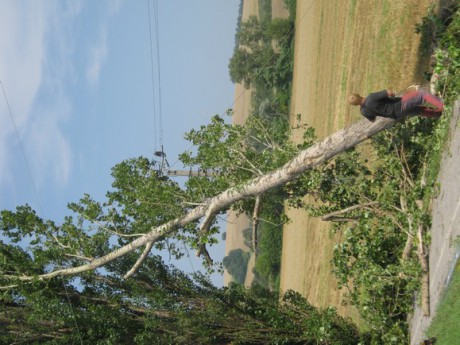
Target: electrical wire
40,209
156,92
26,161
160,107
152,78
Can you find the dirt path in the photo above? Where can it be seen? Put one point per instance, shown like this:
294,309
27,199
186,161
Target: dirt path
445,229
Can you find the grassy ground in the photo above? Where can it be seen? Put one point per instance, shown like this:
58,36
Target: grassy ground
445,324
342,47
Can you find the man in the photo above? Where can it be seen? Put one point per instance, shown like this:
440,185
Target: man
385,104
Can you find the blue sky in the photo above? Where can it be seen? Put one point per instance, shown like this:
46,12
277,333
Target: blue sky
78,79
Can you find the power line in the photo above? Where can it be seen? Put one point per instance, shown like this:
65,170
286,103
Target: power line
158,116
22,150
152,77
286,36
40,209
157,31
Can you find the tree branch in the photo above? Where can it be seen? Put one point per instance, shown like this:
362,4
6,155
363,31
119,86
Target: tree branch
59,242
331,215
423,257
202,251
81,257
254,168
140,260
204,229
116,233
255,221
410,236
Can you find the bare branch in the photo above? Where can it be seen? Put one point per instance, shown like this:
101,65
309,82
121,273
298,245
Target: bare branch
106,229
255,221
404,165
204,229
203,251
140,260
257,171
266,143
193,203
269,222
208,218
252,171
81,257
410,237
58,242
407,248
332,215
423,257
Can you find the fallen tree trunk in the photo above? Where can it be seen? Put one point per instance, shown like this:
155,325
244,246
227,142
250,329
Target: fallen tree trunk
309,158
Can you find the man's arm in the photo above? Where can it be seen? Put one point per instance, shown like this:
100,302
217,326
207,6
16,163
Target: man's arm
381,95
368,114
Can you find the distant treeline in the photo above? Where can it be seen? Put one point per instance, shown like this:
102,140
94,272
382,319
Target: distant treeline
238,23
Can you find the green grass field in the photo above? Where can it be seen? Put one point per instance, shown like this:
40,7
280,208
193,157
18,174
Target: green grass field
446,324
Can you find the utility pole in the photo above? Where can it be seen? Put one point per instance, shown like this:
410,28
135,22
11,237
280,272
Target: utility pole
164,165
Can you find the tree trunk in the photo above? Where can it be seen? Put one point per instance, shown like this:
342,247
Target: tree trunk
309,158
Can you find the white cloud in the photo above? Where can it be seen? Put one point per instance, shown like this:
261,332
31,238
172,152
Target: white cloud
47,148
98,55
29,30
100,49
22,32
38,68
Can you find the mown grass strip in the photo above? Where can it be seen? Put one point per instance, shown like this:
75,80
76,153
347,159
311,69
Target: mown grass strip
445,324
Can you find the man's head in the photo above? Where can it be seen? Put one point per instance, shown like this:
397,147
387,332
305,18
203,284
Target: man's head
355,99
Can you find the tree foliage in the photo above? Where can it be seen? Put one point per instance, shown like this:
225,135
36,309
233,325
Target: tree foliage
256,60
161,305
379,202
35,250
236,263
381,205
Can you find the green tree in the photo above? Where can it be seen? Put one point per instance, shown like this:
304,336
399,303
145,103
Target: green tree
41,253
236,263
255,62
39,256
381,210
159,305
